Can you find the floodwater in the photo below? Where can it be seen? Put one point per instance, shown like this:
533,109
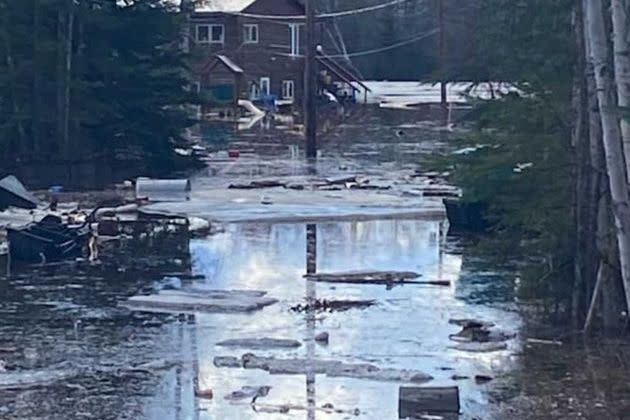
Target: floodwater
407,328
71,352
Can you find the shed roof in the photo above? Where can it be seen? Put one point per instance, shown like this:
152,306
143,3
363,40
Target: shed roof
221,59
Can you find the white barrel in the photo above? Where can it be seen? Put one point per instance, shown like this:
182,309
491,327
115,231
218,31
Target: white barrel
163,189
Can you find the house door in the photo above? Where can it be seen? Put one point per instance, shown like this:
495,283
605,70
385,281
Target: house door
265,86
254,92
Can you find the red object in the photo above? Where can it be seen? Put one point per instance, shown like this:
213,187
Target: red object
233,153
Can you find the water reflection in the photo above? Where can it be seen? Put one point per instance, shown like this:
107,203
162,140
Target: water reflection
311,297
408,328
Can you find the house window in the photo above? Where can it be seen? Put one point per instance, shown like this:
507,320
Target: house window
254,92
265,85
294,31
288,89
210,34
250,34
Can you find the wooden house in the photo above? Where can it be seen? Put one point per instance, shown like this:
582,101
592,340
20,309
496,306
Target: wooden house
246,50
225,38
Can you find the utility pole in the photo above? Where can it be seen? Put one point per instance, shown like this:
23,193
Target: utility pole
442,52
310,83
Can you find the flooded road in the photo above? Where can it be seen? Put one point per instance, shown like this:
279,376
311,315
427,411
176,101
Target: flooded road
70,350
407,328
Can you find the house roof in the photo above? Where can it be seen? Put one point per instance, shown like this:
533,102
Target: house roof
224,6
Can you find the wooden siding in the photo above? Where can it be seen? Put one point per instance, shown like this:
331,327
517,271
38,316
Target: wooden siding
267,57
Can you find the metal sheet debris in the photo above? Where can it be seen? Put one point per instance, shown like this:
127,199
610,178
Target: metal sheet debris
13,193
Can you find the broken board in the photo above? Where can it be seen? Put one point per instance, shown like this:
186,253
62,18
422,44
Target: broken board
416,402
200,300
367,277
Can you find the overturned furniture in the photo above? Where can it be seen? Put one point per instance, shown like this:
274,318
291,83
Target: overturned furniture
428,402
47,241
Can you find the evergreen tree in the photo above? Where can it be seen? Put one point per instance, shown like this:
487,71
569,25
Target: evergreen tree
91,77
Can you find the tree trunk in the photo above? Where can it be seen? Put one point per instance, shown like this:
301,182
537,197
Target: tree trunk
10,62
613,148
60,79
68,149
37,90
622,68
582,173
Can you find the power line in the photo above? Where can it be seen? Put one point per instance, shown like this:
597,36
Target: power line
362,10
376,50
331,15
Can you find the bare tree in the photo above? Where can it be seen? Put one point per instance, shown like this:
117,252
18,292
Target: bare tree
615,163
621,50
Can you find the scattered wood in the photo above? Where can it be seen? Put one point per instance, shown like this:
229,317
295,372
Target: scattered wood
341,180
332,305
475,347
441,402
248,393
366,277
470,323
478,331
288,407
367,186
261,343
595,298
331,368
541,341
482,379
268,183
199,300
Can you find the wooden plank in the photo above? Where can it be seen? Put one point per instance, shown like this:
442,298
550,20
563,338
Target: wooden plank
414,402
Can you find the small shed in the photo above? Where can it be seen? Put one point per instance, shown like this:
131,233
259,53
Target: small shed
221,81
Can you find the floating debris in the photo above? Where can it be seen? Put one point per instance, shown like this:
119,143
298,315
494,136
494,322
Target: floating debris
198,300
322,337
482,379
429,403
324,305
249,392
13,193
261,343
545,342
367,277
331,368
476,347
257,184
